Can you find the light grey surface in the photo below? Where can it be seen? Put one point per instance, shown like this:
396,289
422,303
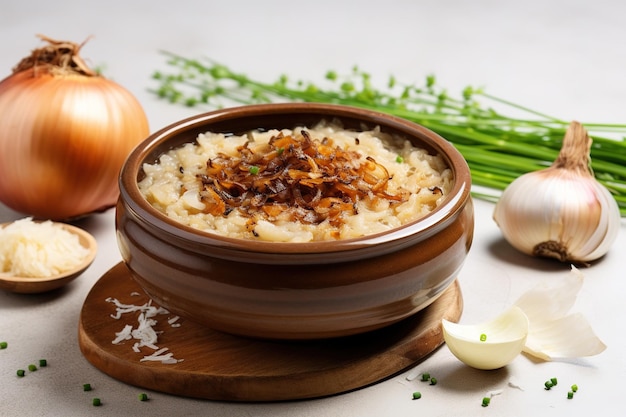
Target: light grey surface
562,57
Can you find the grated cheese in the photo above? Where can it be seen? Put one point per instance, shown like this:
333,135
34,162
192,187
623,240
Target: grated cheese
33,249
125,334
172,321
413,374
514,384
493,393
144,333
160,356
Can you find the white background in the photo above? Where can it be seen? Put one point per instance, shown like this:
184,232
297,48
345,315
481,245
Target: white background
565,58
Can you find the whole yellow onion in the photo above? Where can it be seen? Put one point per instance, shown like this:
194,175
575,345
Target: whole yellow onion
65,132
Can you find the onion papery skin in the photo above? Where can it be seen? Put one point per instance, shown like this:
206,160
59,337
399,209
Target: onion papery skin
63,140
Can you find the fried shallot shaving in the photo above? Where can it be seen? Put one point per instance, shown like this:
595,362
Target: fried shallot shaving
294,177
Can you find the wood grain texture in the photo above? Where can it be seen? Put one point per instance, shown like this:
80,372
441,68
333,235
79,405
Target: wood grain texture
218,366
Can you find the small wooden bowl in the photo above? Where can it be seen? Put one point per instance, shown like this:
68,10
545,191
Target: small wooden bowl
34,285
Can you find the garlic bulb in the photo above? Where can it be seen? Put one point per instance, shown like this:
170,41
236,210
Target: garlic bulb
560,212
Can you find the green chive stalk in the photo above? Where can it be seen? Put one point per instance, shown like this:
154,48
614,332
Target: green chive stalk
497,147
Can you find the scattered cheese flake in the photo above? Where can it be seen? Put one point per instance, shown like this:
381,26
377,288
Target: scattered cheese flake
493,393
412,375
161,356
145,333
514,384
125,334
173,321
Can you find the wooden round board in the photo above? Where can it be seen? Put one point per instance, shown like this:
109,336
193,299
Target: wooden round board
218,366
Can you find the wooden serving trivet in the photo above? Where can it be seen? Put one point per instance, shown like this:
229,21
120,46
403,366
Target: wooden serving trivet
218,366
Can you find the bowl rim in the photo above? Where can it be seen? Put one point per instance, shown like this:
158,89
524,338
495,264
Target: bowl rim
425,226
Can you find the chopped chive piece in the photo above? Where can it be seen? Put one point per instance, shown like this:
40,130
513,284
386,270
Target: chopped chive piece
548,385
143,397
486,401
3,345
43,363
483,337
96,402
433,381
399,159
570,395
553,381
425,376
86,387
21,372
574,388
32,368
254,170
417,395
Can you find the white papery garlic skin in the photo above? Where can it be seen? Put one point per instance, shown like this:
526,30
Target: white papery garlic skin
560,212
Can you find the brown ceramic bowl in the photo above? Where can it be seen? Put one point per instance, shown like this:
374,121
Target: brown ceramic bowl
292,290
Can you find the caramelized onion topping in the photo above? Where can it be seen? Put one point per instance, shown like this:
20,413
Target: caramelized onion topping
294,177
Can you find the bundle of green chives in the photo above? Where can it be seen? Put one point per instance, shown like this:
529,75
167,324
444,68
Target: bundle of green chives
498,148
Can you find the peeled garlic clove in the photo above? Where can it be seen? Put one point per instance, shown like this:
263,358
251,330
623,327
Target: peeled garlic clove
560,212
505,337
